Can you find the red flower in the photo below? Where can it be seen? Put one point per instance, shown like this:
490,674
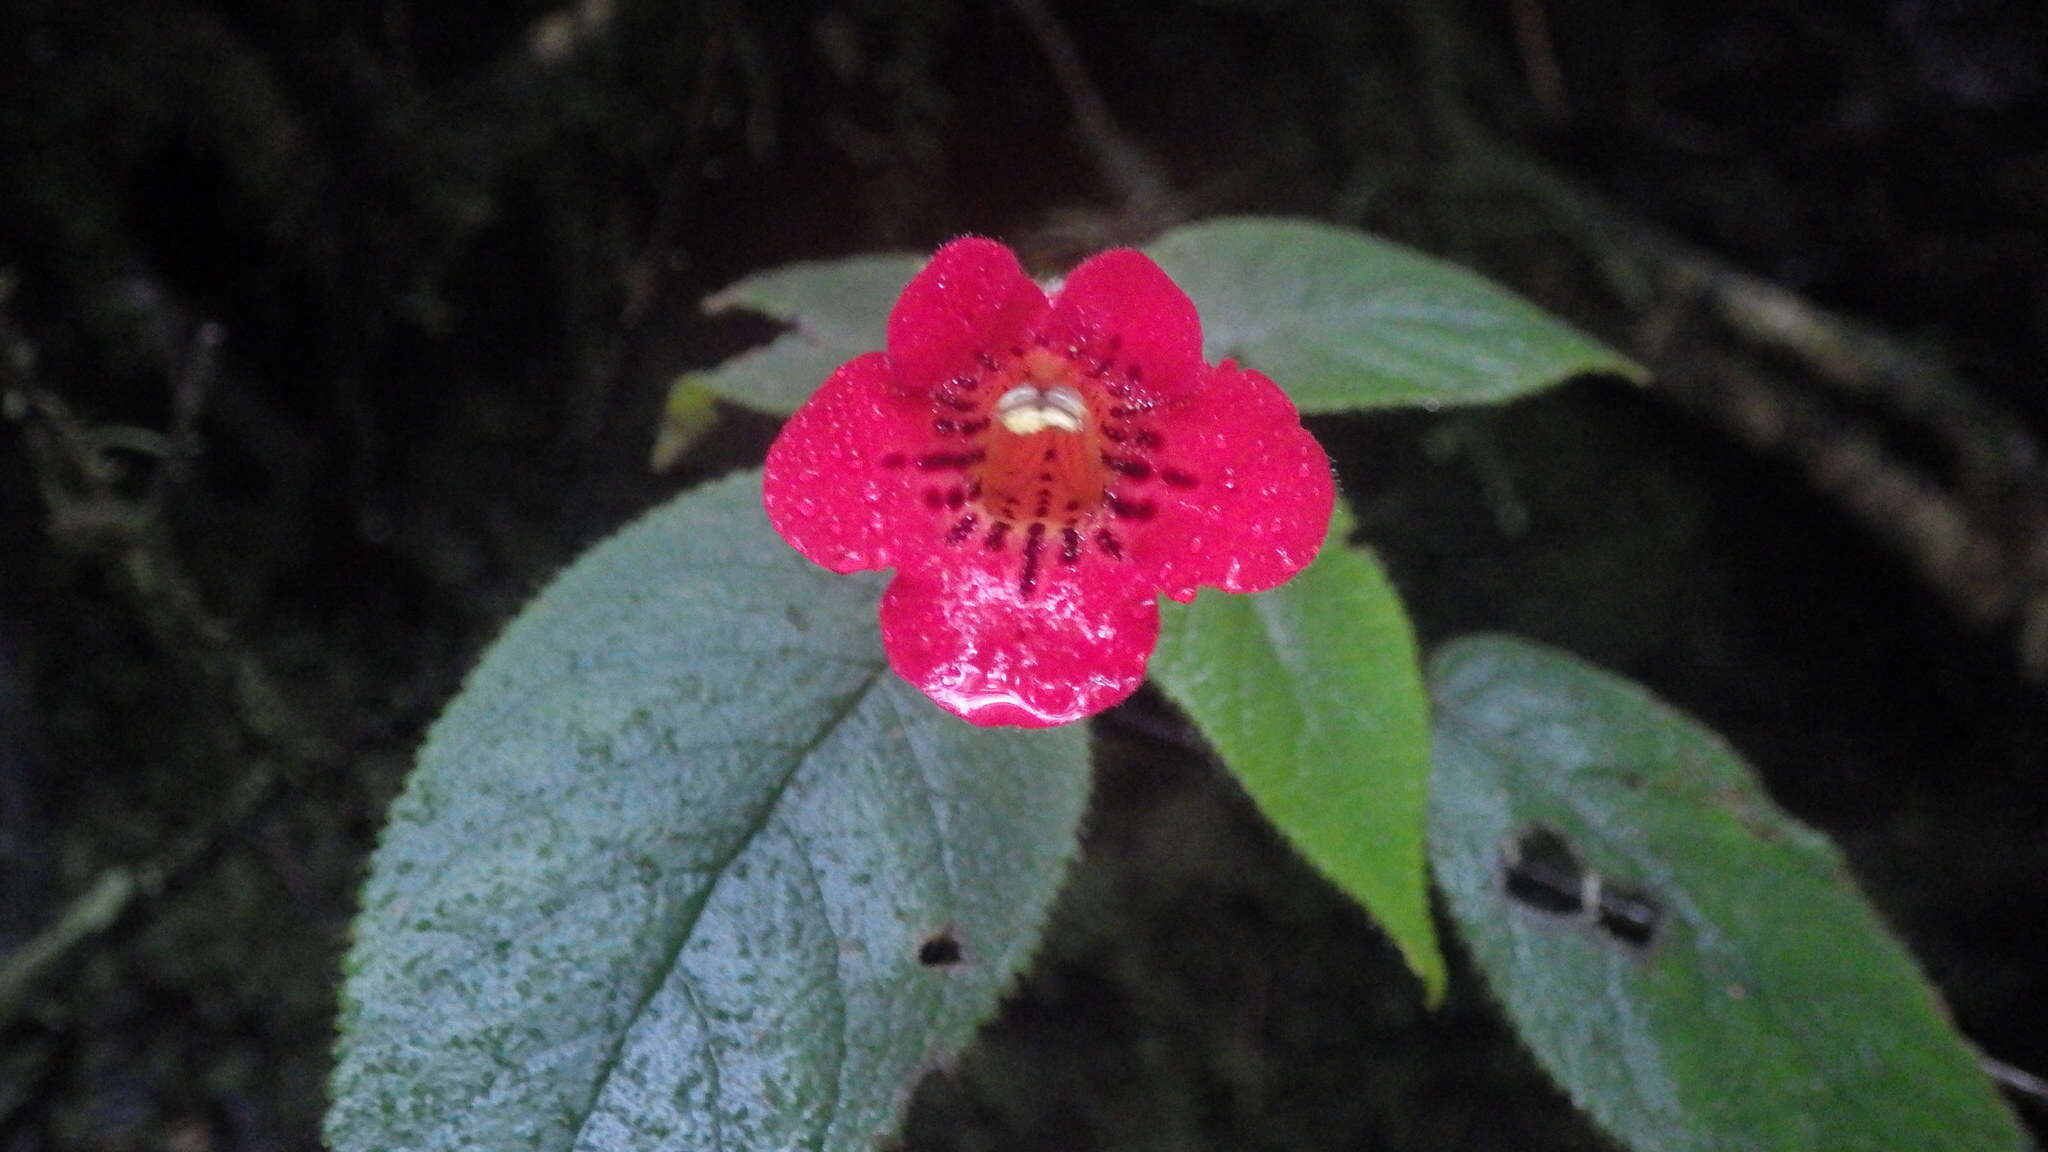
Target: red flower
1037,472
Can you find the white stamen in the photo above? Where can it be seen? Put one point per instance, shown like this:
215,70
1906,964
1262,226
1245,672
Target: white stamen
1026,409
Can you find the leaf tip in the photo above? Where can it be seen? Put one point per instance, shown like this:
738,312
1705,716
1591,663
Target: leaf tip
1424,955
687,414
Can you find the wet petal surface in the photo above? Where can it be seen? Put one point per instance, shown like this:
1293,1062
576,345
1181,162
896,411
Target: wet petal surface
1243,493
1119,307
972,301
1039,472
840,485
966,637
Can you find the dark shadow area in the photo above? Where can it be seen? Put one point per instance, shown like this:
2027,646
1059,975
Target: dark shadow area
329,330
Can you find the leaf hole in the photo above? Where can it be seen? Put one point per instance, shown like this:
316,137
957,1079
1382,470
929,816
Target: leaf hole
1629,916
1541,873
939,950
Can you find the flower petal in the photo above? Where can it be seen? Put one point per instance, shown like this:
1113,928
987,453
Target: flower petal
963,633
841,486
1239,494
1119,306
973,298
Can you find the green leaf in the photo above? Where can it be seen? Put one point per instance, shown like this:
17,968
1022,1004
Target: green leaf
685,867
1313,695
1721,985
1340,319
1344,321
835,309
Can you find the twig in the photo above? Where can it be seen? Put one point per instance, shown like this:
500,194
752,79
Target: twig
732,41
101,907
644,272
89,914
2017,1079
1847,460
1973,523
87,508
1853,359
1130,172
191,384
1539,59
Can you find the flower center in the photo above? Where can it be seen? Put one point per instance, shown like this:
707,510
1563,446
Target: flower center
1042,455
1028,409
1055,466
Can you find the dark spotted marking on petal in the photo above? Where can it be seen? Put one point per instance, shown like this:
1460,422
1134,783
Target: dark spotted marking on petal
1034,541
962,529
1147,438
1070,544
956,497
998,535
1175,478
934,499
1128,466
948,461
1110,544
1132,509
895,460
944,427
1115,435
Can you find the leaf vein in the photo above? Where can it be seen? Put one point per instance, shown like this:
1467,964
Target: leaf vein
674,951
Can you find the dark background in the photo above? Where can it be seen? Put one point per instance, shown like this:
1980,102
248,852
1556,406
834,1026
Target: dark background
330,329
